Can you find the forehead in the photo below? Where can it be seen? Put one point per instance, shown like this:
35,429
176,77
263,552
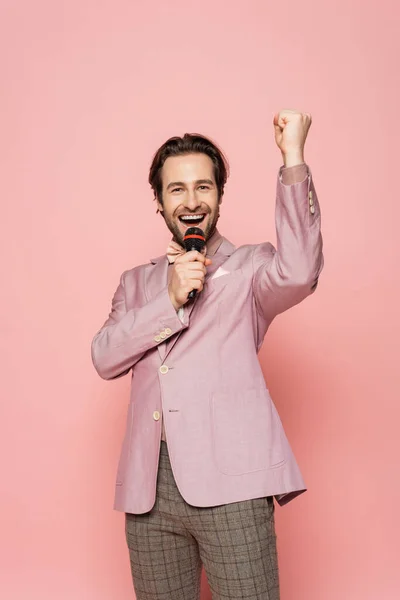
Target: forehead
187,168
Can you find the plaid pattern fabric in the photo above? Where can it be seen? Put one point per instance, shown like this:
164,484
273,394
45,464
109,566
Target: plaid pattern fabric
236,543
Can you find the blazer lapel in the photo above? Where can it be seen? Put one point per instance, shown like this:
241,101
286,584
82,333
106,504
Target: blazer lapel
156,281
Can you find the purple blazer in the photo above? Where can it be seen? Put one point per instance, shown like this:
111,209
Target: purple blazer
225,437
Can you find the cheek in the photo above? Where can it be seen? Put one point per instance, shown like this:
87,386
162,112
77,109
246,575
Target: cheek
169,209
213,203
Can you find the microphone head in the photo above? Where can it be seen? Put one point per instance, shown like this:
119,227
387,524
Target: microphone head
194,239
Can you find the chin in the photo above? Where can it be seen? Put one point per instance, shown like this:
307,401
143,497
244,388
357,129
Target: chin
204,226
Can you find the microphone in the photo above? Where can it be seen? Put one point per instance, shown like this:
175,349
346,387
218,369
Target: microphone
194,239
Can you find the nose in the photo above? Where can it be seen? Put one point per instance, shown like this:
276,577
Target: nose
192,201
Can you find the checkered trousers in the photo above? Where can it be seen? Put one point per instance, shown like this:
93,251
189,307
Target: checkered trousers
236,543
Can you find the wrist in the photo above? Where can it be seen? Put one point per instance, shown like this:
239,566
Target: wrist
173,301
292,159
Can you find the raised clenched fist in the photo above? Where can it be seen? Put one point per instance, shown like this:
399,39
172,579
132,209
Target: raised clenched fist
291,129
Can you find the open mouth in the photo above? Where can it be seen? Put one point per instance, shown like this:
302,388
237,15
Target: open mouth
192,220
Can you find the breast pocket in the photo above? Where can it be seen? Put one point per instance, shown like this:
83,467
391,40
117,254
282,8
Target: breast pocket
246,435
217,283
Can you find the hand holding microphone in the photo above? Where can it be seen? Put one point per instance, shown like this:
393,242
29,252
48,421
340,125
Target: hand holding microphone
189,270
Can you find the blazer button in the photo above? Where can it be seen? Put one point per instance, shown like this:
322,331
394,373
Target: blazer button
157,338
312,209
168,331
163,335
156,415
164,369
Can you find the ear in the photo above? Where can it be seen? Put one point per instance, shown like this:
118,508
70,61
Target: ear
160,207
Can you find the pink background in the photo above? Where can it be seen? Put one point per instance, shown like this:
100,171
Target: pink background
89,90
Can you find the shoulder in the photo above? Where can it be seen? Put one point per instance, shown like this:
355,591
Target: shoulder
254,255
135,273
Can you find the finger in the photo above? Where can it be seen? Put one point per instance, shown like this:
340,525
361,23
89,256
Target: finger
195,275
195,265
196,269
191,256
195,284
188,272
280,122
282,114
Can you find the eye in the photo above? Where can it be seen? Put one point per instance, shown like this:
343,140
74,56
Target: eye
177,189
204,187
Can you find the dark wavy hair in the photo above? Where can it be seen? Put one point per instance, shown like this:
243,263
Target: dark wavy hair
190,143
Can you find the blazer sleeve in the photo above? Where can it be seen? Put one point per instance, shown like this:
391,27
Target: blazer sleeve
284,276
128,334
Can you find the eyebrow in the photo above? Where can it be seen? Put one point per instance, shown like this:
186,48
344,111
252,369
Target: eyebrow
182,184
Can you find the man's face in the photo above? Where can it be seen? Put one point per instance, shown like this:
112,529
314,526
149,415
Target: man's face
189,194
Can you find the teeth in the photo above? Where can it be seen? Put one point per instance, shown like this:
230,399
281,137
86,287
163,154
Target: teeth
191,217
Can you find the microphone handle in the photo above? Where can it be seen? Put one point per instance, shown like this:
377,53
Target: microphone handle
193,293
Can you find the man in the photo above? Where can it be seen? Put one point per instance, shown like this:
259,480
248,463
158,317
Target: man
204,495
